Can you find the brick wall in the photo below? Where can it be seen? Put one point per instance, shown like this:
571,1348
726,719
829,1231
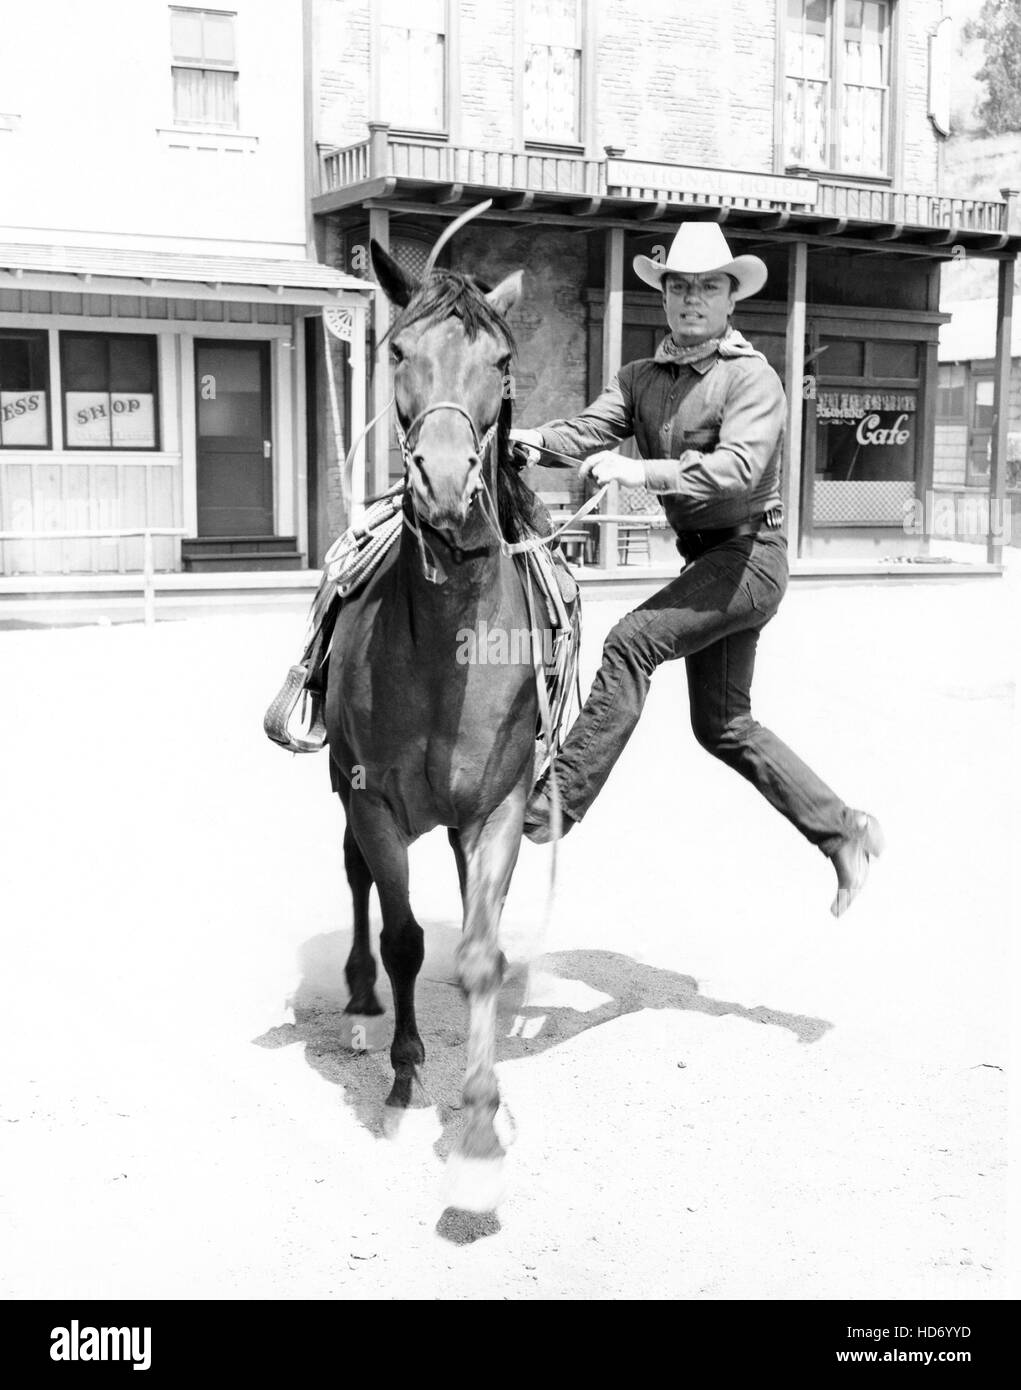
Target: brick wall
688,82
921,144
682,81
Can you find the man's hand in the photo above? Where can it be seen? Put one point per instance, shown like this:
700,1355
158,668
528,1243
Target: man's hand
614,468
525,439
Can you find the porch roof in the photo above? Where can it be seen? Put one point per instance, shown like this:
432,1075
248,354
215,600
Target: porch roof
414,174
173,275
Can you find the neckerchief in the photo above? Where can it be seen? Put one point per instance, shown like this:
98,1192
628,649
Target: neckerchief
732,344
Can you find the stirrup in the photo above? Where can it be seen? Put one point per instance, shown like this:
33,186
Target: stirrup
278,716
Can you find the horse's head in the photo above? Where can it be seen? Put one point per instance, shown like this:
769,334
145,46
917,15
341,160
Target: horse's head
450,347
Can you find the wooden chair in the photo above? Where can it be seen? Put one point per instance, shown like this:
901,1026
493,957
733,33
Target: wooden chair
634,537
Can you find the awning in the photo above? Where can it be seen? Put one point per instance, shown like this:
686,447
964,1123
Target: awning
173,275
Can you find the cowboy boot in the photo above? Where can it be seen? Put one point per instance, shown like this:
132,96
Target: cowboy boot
851,859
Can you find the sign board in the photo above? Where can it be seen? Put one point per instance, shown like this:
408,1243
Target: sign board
726,185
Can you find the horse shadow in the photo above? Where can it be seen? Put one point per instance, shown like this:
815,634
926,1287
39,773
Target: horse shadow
564,994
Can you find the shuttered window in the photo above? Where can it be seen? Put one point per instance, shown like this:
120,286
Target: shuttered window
413,64
552,77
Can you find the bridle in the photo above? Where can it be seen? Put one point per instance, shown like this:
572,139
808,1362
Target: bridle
431,567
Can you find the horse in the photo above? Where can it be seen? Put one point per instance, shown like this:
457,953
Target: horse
418,736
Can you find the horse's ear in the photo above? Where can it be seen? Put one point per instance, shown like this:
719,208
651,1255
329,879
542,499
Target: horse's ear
507,293
397,286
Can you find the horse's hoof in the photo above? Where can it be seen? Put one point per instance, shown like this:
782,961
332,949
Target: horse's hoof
474,1184
466,1227
365,1004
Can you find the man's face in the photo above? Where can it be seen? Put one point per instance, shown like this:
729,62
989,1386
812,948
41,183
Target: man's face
697,306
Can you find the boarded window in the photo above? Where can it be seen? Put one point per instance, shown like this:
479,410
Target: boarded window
552,77
413,63
109,386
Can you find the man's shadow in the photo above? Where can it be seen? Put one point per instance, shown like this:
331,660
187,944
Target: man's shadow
564,994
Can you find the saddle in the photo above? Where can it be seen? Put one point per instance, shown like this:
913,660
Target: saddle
295,718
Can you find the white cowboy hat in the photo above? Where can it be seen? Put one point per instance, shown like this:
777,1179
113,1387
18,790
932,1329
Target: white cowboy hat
700,248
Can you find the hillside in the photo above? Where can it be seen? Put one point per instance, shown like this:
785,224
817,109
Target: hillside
976,165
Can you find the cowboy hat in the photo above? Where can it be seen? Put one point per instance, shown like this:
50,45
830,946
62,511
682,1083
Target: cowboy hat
700,248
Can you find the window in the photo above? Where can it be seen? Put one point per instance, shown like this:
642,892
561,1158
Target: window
24,389
413,72
204,68
109,386
552,78
950,400
837,85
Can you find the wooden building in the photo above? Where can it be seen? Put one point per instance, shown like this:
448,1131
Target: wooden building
809,129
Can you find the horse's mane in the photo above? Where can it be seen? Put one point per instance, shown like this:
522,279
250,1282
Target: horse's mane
449,294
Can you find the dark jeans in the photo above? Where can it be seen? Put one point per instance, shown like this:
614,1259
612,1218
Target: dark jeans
711,616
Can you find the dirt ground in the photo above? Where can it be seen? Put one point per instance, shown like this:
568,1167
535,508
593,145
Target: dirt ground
716,1090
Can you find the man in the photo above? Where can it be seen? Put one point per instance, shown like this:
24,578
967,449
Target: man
707,413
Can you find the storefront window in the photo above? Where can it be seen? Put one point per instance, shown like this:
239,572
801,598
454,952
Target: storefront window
866,432
24,390
109,386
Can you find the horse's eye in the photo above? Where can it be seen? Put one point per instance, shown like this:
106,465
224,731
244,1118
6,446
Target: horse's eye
396,356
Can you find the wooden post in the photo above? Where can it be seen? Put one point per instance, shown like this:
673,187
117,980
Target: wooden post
1010,217
379,444
613,346
794,370
148,590
379,151
359,340
1001,411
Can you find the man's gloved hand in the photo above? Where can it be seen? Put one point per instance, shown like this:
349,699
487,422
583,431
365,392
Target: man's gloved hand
523,440
608,467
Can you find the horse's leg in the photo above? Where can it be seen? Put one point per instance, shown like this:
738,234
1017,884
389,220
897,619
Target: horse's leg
360,970
490,851
402,941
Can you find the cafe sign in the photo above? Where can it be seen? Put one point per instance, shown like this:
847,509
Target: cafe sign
848,407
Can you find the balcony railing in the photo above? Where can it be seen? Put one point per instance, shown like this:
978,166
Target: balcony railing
386,155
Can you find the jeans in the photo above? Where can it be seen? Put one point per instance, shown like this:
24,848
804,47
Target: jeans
711,616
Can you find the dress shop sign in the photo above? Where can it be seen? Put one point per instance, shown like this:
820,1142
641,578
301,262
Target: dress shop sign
23,417
120,419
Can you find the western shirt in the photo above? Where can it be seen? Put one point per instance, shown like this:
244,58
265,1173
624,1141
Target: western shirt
710,434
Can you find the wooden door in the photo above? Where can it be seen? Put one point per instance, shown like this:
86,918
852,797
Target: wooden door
234,434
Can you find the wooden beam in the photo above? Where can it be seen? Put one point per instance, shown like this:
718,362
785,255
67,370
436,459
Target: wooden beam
791,234
448,193
1001,411
613,351
517,202
378,452
585,207
773,221
794,371
658,208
